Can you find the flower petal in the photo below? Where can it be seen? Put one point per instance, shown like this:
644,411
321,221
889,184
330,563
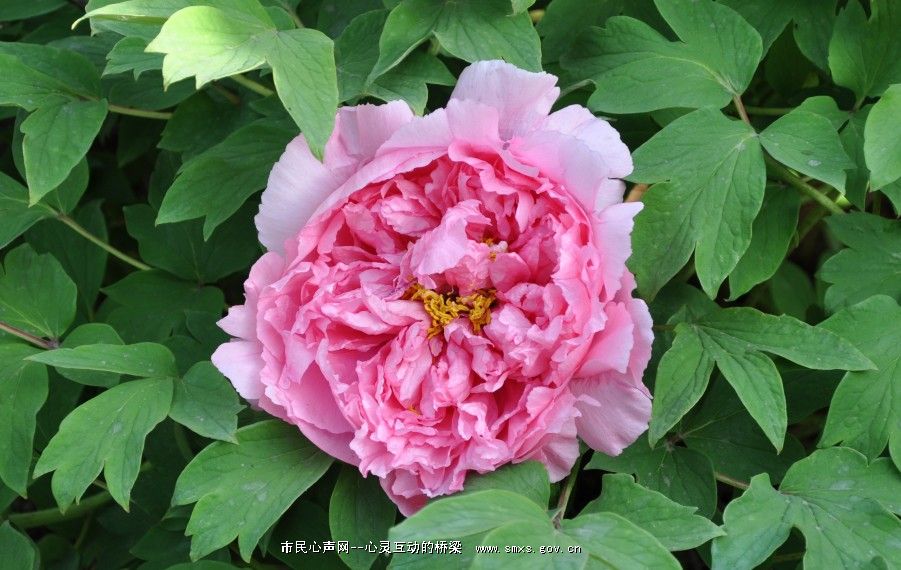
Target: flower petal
240,362
359,133
613,413
522,98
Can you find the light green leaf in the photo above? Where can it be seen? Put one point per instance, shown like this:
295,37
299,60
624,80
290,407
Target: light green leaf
881,141
635,69
129,55
518,543
871,264
206,403
529,479
865,55
15,211
471,30
47,310
19,552
683,475
56,139
611,541
90,334
808,143
215,42
144,11
216,182
116,422
716,177
866,408
359,511
674,525
771,236
23,390
832,498
242,489
145,359
682,377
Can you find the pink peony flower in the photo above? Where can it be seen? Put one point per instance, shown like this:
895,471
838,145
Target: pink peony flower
448,294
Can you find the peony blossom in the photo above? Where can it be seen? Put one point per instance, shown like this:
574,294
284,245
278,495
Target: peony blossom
447,294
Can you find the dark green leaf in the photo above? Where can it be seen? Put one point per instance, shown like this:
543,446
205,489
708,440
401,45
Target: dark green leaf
47,310
205,402
23,390
359,511
144,359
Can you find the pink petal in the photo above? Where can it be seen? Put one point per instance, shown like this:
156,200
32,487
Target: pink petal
600,137
614,413
298,184
613,236
612,346
523,99
360,131
240,362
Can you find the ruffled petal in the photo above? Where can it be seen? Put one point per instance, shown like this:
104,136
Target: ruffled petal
297,185
522,98
613,413
613,237
359,133
241,363
596,133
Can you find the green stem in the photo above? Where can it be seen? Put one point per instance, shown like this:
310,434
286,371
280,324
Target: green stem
52,516
566,493
102,244
181,442
768,111
35,340
730,481
740,107
252,85
162,115
574,87
795,181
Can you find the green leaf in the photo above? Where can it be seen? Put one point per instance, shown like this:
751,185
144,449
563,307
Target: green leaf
56,139
359,511
808,143
23,390
47,310
683,475
769,17
529,479
635,69
832,498
531,538
814,22
881,138
242,489
865,55
471,30
771,236
565,20
216,182
682,377
145,359
871,265
91,334
866,407
22,9
611,541
37,75
206,403
19,552
715,179
129,55
180,248
215,42
723,431
674,525
15,211
116,422
408,81
146,11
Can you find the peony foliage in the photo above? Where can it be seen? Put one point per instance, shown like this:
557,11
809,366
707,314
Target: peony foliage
450,284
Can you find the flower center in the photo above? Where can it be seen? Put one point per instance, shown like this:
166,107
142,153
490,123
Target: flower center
443,308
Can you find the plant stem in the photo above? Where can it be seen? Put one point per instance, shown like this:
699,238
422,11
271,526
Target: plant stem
730,481
35,340
162,115
636,193
795,181
181,442
565,494
740,107
768,111
574,87
52,516
252,85
102,244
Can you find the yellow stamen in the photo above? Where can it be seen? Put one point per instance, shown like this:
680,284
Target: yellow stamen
444,308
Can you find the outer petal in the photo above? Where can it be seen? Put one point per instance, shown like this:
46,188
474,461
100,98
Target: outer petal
600,137
522,98
240,362
612,235
613,413
359,133
298,184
